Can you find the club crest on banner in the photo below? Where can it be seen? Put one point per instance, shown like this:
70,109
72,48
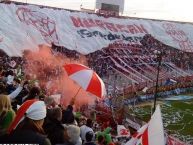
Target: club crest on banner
45,25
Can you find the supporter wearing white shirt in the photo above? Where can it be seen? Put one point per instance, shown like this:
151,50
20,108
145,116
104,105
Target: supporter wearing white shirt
86,128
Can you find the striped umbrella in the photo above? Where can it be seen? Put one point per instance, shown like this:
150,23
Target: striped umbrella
86,78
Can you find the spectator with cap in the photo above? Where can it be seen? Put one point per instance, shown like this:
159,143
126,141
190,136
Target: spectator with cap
27,125
89,138
86,128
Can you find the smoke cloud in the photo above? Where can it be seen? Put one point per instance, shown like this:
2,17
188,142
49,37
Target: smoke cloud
47,68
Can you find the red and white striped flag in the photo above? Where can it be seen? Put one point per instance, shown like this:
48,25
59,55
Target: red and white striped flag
151,133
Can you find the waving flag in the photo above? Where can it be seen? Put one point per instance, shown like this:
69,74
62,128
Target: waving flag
151,133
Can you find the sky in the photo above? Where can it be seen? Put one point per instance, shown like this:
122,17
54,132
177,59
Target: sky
176,10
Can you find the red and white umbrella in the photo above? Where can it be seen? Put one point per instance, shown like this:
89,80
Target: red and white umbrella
86,78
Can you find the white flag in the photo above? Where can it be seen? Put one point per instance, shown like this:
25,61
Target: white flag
151,133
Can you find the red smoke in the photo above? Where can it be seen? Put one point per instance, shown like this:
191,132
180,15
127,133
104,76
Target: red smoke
48,69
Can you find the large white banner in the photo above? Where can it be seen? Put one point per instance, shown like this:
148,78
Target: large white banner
27,26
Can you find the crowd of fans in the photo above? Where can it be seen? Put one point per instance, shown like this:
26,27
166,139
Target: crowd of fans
29,115
138,61
39,120
182,82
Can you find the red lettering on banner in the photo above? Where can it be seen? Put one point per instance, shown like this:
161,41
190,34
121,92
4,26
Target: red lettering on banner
132,29
84,22
178,33
181,32
141,28
121,28
91,21
100,24
76,21
87,23
111,27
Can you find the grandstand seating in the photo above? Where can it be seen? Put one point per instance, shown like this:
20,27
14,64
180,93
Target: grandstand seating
137,63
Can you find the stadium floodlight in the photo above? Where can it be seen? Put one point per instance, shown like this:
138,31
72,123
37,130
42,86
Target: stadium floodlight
159,55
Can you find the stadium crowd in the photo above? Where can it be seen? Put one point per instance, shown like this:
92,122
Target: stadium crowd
139,63
136,61
29,115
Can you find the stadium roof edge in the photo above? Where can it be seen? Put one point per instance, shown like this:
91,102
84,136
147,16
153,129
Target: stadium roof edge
123,17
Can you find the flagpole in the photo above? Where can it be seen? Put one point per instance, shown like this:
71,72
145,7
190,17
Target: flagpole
115,95
159,59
